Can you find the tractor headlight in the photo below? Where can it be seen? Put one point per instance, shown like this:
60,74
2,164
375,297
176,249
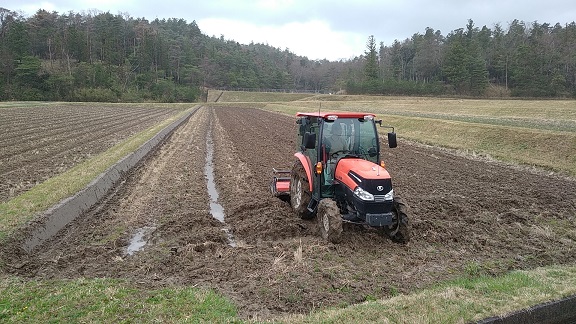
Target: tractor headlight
389,196
363,194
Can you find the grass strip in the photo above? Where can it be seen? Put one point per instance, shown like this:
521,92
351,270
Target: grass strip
461,301
252,96
108,301
22,208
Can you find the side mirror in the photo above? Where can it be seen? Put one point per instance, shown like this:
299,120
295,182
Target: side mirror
392,140
309,140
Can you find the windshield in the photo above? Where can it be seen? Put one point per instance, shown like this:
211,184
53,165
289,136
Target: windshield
355,136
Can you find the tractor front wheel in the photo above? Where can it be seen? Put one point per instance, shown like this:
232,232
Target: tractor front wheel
329,220
399,231
300,191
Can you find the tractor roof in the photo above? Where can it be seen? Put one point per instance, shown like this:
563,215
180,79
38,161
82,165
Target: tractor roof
340,114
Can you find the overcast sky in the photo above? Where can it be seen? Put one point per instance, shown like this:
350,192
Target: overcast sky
319,29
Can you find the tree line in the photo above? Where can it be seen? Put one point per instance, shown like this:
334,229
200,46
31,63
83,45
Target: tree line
98,56
534,60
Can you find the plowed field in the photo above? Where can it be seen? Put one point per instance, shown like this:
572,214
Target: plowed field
468,217
40,141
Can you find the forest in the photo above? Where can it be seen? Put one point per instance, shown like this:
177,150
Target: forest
99,56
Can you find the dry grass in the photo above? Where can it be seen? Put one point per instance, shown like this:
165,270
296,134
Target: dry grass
279,260
248,96
542,148
541,109
298,256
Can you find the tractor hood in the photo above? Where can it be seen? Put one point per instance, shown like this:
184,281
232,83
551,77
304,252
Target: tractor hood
363,173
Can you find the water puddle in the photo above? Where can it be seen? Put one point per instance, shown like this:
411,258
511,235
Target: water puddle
230,237
216,209
137,242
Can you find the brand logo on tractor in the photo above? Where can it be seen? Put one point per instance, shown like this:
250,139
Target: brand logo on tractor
380,188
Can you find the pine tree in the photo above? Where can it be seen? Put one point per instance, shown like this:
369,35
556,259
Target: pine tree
371,67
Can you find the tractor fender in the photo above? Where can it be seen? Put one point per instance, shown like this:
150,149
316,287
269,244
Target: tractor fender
307,166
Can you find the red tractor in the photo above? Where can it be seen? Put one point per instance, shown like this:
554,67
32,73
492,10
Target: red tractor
338,176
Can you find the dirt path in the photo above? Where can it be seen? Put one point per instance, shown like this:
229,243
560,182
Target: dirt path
468,217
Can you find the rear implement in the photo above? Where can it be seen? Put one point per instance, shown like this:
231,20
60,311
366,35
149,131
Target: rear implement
280,185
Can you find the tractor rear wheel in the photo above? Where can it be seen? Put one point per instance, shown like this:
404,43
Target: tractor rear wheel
399,231
300,191
329,220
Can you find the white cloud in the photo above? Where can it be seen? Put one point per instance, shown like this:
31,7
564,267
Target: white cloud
314,39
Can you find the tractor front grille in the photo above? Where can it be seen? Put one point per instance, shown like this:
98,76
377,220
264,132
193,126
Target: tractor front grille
380,198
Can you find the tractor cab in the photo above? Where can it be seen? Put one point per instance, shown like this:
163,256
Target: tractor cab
326,138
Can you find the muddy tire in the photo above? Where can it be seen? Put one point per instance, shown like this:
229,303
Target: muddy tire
399,232
329,220
300,191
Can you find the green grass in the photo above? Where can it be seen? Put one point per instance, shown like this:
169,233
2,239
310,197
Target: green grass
21,209
460,301
107,301
471,298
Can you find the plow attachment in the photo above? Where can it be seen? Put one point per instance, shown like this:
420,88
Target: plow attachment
280,185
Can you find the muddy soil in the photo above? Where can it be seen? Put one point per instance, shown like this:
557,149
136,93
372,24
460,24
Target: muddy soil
468,217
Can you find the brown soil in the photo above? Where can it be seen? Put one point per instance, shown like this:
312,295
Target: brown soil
468,217
39,142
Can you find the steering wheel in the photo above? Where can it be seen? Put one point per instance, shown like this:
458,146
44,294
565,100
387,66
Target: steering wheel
371,152
335,154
